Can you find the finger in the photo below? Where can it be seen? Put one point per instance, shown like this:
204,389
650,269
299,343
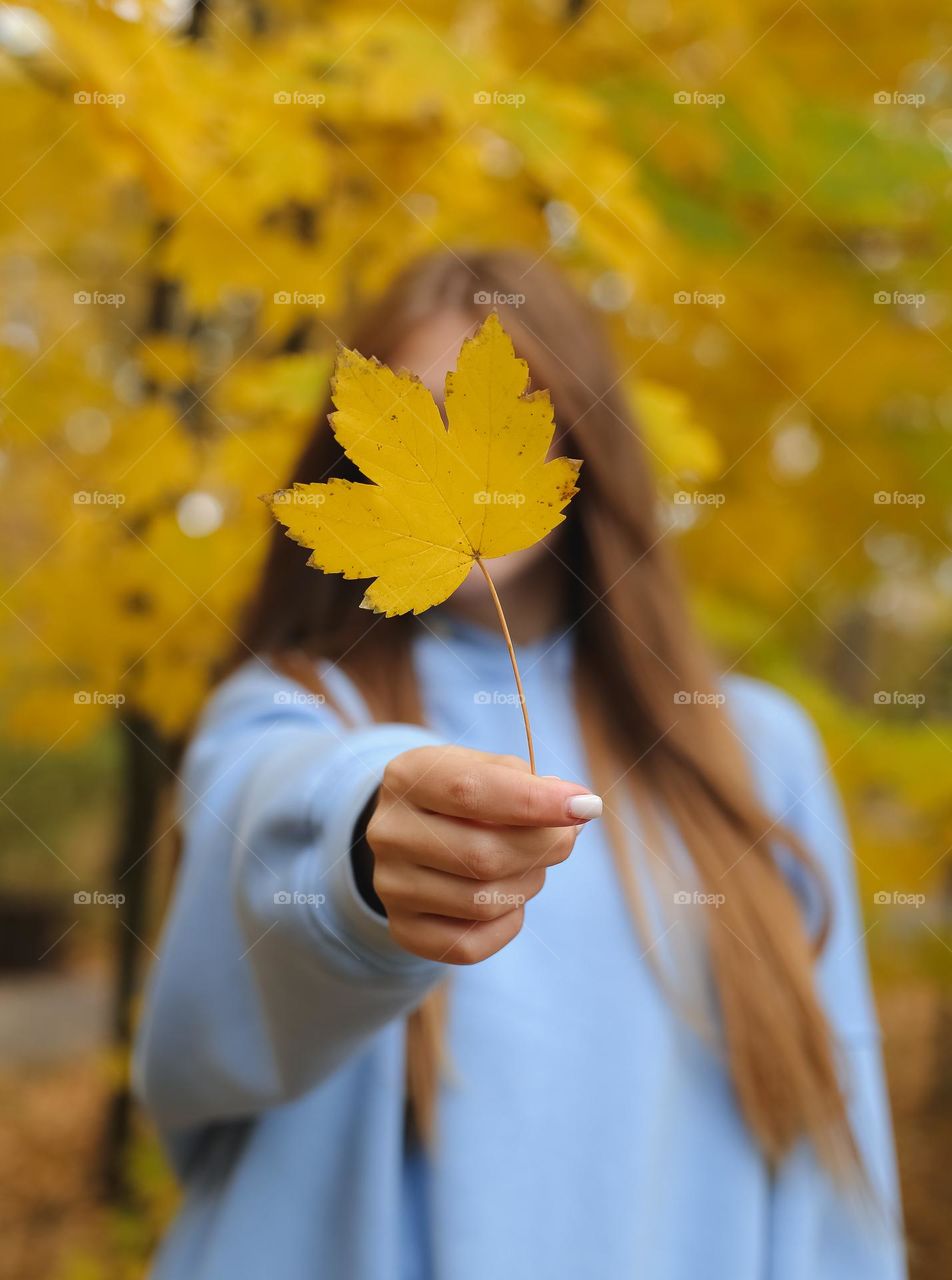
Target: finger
486,791
423,890
484,852
454,941
511,762
467,849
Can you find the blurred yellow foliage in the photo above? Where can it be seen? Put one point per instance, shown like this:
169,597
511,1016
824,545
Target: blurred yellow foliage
757,199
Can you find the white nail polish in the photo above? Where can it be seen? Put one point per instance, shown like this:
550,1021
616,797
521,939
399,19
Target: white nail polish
585,806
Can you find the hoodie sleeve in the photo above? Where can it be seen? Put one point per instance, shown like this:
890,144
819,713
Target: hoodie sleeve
272,970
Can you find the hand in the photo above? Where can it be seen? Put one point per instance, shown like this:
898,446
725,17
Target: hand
461,841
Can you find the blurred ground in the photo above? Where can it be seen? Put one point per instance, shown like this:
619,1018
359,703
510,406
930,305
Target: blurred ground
47,1157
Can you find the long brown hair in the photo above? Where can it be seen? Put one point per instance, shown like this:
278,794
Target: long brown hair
675,758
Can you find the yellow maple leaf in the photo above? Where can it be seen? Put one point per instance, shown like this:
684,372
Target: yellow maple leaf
441,497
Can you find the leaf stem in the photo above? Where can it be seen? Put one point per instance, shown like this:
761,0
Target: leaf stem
512,658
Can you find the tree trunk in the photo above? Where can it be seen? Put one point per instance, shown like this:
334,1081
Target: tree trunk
144,776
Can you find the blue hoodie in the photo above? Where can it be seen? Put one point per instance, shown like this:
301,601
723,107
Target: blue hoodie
586,1127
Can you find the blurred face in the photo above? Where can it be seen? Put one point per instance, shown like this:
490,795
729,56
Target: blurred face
430,351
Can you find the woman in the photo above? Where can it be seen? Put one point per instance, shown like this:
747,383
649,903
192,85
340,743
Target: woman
420,1014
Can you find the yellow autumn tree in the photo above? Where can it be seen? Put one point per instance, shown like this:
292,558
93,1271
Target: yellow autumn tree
197,200
756,198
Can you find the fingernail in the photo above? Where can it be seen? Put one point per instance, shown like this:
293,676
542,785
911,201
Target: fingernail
584,806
